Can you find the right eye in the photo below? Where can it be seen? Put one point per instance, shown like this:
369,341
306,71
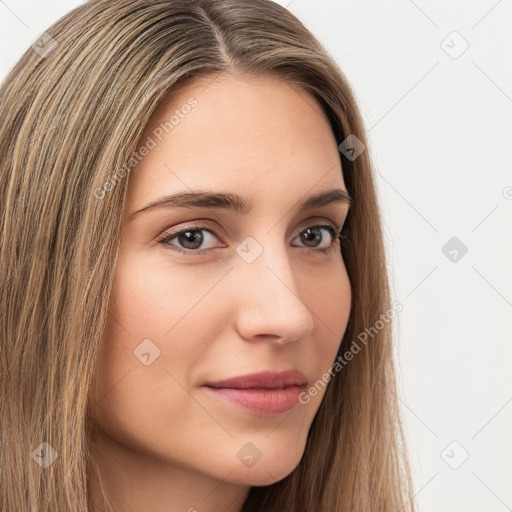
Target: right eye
189,238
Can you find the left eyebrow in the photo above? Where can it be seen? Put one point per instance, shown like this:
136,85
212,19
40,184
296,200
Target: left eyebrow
237,203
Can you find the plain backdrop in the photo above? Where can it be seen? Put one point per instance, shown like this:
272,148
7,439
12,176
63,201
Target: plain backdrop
434,84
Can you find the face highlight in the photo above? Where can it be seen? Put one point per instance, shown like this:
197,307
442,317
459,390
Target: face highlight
245,278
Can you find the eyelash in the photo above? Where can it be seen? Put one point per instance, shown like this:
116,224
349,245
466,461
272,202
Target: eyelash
336,234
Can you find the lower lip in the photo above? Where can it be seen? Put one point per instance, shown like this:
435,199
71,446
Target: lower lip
263,402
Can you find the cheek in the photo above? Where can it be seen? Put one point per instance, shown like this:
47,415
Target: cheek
330,306
157,315
153,298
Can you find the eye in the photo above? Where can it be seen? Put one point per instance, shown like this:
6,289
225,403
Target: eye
312,237
192,238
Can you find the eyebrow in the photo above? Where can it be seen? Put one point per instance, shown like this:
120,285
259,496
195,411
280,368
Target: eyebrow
236,203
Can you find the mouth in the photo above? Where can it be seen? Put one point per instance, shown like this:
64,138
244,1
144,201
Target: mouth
264,394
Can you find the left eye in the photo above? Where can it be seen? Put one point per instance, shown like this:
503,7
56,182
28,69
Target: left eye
313,234
191,238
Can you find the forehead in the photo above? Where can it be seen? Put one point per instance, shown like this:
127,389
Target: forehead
258,136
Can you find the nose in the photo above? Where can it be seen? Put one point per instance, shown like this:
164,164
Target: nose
270,304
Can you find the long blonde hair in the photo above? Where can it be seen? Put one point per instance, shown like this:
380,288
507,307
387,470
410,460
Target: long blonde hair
68,119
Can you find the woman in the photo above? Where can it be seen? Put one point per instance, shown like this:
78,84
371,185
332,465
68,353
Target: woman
194,272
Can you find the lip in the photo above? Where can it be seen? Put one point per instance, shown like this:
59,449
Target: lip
266,393
266,379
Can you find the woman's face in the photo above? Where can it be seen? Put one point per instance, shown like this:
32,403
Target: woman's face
244,289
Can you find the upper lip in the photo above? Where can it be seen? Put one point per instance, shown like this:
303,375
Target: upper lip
266,379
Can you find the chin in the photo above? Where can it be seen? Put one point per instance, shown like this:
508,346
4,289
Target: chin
266,472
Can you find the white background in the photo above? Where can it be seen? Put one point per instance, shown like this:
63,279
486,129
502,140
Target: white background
440,132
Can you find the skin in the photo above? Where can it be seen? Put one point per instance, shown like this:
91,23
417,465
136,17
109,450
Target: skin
162,443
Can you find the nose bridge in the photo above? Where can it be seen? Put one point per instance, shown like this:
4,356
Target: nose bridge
266,253
270,296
